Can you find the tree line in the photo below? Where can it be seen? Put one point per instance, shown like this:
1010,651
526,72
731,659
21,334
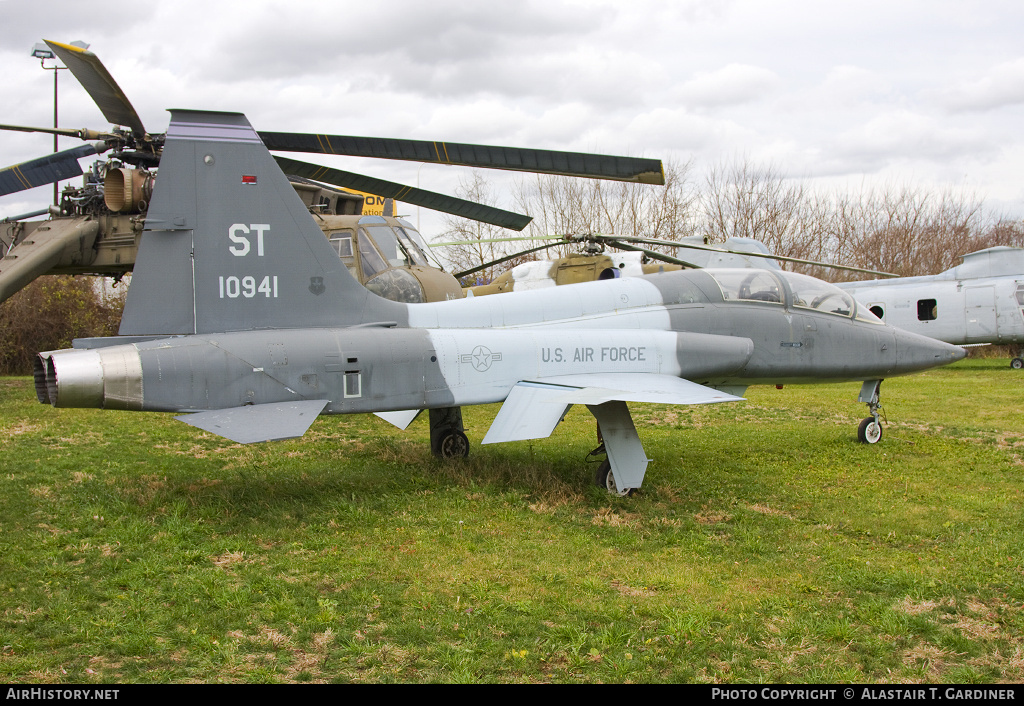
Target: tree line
905,230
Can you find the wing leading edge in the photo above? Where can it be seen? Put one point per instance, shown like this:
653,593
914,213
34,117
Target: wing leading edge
534,408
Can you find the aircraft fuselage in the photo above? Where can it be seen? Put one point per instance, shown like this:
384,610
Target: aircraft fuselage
474,351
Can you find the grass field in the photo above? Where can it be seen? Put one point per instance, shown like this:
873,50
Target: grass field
767,545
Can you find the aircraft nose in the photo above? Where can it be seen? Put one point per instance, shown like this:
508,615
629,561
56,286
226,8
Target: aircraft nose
916,352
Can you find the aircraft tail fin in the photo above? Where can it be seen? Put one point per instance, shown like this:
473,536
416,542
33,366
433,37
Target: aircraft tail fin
229,246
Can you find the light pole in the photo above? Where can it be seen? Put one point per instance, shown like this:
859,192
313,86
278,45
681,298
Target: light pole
43,52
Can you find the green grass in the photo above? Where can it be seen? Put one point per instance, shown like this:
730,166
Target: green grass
767,545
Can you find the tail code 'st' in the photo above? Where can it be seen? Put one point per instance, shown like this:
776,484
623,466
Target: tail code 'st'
229,246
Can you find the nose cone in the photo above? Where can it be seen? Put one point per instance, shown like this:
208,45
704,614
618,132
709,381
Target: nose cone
915,352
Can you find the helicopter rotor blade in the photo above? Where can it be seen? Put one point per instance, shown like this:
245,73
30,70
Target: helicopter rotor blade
80,133
653,254
406,194
594,166
44,170
767,256
100,85
474,270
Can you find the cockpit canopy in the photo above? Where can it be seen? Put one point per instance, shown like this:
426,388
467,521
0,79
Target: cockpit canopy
796,290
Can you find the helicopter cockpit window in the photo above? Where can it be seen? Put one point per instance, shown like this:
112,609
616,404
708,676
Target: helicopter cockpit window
369,258
417,238
811,293
388,245
748,285
411,247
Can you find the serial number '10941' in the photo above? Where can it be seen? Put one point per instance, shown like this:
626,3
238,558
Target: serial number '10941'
234,287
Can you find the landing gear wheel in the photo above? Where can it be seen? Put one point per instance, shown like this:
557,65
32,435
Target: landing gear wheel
870,431
454,445
1017,363
606,479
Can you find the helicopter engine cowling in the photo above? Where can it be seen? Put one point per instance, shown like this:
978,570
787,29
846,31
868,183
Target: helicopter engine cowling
127,190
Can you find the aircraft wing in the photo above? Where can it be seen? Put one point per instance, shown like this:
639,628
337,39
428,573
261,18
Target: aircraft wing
259,422
534,408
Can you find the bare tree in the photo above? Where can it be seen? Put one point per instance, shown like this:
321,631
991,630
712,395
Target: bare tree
905,230
744,200
477,243
52,311
568,206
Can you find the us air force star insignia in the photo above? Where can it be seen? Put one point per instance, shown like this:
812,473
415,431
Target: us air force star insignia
481,358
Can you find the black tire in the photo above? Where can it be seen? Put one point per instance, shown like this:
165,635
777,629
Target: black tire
870,431
604,478
454,444
1017,363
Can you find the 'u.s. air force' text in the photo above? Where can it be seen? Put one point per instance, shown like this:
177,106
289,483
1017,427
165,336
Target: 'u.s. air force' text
616,354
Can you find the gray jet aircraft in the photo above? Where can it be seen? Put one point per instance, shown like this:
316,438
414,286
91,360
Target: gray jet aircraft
241,316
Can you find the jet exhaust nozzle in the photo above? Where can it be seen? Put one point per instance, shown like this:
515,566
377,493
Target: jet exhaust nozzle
108,378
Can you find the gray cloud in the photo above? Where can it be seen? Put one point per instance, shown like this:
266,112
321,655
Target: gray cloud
847,88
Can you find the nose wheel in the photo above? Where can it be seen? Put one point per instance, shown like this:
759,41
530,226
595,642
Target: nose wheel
870,430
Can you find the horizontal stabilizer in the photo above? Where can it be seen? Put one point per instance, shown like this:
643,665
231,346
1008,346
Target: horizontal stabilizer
401,419
261,422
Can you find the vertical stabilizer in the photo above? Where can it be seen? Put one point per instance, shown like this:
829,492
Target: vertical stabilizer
229,246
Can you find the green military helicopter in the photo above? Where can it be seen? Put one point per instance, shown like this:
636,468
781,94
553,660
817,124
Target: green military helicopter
96,227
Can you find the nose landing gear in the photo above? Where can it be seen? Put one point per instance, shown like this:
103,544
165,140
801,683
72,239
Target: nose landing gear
870,430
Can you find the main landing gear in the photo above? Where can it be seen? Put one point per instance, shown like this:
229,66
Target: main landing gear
605,478
870,430
622,470
447,434
1017,362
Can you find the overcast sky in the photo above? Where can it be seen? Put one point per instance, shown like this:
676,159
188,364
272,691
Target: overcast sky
921,92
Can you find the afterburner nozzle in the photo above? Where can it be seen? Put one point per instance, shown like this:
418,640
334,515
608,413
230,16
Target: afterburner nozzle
108,378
